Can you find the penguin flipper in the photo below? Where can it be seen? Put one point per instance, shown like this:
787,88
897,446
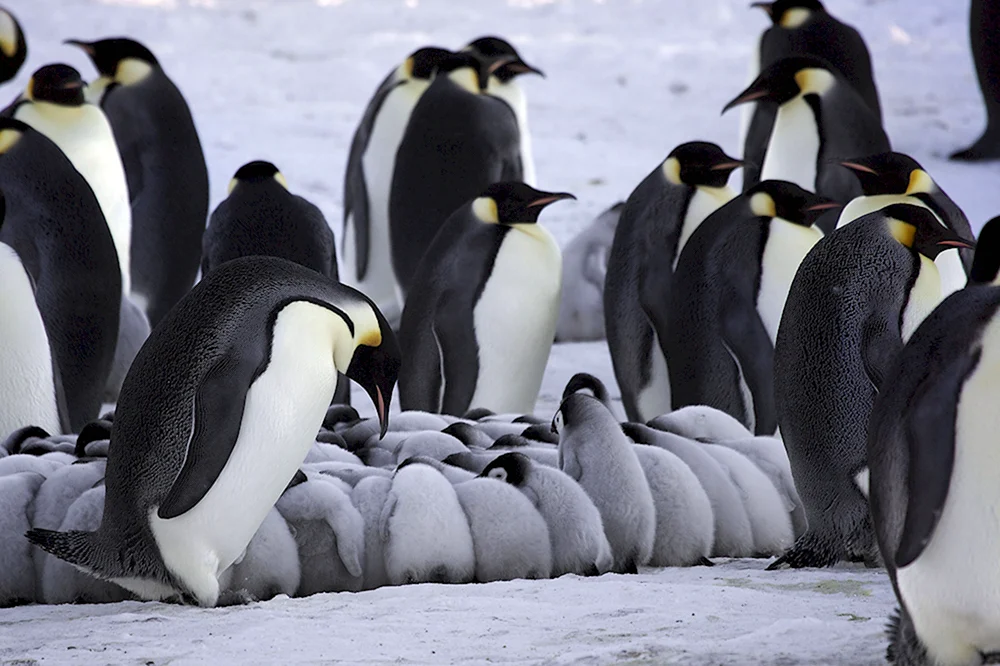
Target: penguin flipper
128,128
453,325
744,334
879,346
930,433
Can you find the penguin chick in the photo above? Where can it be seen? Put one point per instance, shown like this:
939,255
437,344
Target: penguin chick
702,424
431,444
270,565
17,571
455,475
369,497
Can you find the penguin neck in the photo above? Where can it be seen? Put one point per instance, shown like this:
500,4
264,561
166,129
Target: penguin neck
466,79
704,201
786,246
924,296
57,113
861,206
794,147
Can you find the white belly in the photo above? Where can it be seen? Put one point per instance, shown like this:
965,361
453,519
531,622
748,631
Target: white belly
514,96
284,410
515,320
704,201
786,247
793,151
27,392
924,297
952,590
378,164
654,398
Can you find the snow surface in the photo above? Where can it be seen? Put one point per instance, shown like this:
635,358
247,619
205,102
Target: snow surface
286,80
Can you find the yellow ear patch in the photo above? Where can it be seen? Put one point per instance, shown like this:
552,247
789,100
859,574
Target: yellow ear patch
901,231
8,138
29,90
232,185
131,71
920,182
814,81
794,18
8,34
466,78
370,338
672,170
406,69
762,205
280,177
485,208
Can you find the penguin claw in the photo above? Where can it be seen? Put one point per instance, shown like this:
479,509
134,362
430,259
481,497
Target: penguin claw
704,562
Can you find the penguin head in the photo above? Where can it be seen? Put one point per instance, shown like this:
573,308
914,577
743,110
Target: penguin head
699,163
512,468
11,131
583,381
785,80
986,261
790,14
787,201
469,70
890,173
512,202
119,59
56,84
579,409
257,171
493,48
374,363
424,62
920,230
13,49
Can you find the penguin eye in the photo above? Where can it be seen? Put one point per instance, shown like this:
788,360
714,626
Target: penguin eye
499,473
557,423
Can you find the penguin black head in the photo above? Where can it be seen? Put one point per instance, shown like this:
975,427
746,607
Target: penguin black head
13,48
578,408
120,59
514,202
511,468
57,84
424,62
492,48
699,163
785,80
257,171
788,201
471,70
583,381
891,173
790,14
986,261
920,229
375,365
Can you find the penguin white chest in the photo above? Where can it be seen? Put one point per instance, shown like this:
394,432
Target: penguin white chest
515,320
704,201
787,245
952,590
793,150
284,410
924,296
27,392
513,94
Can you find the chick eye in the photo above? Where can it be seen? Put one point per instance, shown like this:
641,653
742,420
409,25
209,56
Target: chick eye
498,473
557,422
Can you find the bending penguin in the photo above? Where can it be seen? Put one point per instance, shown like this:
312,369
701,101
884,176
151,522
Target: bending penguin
984,21
479,323
855,300
367,181
657,220
931,448
730,288
13,48
219,410
164,166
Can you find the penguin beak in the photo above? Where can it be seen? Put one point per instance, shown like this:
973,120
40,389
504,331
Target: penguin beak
766,6
751,94
726,166
854,166
383,412
87,47
958,242
826,205
521,67
541,202
500,62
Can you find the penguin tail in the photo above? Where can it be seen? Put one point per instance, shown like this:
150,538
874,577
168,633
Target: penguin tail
77,548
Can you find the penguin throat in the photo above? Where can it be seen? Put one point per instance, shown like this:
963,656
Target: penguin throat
131,71
902,232
795,18
466,79
58,112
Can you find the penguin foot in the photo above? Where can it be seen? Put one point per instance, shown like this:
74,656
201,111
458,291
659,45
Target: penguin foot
801,556
704,562
904,649
987,147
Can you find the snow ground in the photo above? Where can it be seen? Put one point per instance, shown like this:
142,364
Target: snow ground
286,80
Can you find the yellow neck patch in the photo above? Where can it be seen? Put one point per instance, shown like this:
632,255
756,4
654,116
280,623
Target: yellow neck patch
762,204
672,171
8,138
370,338
813,81
485,208
466,78
794,18
280,177
920,182
901,231
131,71
8,34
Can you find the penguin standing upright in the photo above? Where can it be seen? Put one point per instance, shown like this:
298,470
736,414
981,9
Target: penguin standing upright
820,120
984,21
371,162
69,254
458,142
730,286
803,27
932,453
479,323
164,165
13,49
855,300
219,410
503,83
657,220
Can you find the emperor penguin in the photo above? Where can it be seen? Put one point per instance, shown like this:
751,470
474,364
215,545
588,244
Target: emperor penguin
984,21
595,452
457,142
854,302
820,120
480,319
13,48
931,450
803,27
730,286
503,83
216,415
68,253
888,178
656,222
164,166
576,530
371,162
261,216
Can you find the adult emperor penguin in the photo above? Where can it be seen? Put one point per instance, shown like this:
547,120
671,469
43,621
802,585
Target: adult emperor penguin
803,27
503,83
820,120
931,447
730,287
164,165
479,323
217,413
458,141
984,21
13,49
370,164
657,220
67,250
855,300
888,178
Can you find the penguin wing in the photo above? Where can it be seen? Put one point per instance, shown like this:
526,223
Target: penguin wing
127,126
744,334
880,343
218,414
930,433
456,333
